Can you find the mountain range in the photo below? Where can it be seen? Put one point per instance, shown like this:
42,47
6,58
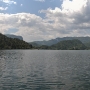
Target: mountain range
84,40
65,43
14,36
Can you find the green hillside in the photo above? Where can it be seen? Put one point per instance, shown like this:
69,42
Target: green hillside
14,36
10,43
69,45
57,40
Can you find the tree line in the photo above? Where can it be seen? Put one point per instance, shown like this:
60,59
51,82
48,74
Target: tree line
13,43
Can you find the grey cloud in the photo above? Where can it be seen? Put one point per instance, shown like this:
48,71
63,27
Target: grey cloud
57,23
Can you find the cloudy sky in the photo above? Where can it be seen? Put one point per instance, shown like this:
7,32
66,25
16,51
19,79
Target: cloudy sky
45,19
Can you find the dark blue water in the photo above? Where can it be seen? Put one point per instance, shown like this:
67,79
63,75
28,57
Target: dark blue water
44,70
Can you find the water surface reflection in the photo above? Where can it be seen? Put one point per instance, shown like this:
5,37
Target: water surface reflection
44,70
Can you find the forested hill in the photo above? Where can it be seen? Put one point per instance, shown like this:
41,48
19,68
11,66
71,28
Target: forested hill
66,45
10,43
69,45
14,36
56,40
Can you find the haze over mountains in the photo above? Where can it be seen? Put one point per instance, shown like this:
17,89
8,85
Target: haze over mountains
55,41
14,36
66,43
52,41
13,43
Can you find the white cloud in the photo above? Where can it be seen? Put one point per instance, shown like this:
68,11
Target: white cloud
21,5
60,22
9,1
2,8
26,23
73,5
71,18
40,0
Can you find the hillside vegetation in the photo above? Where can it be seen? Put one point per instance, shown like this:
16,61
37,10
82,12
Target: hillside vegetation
10,43
14,36
66,45
57,40
69,45
14,43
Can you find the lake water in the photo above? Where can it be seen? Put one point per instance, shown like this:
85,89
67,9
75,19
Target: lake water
44,70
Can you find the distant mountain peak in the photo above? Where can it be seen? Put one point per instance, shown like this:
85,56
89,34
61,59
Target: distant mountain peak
54,41
13,43
14,36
